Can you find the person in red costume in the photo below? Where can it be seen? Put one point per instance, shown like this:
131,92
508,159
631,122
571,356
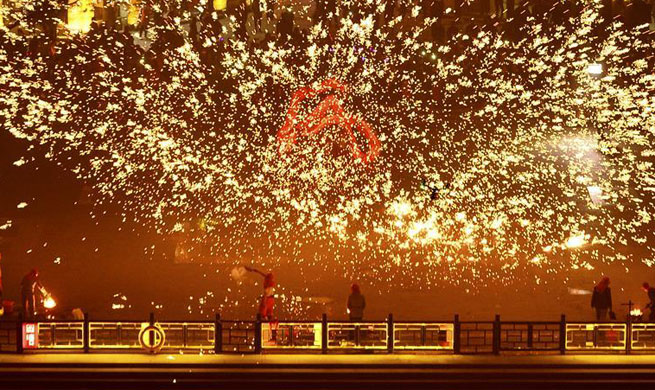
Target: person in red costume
267,302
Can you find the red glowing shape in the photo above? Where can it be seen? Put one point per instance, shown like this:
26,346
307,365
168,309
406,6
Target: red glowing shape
327,113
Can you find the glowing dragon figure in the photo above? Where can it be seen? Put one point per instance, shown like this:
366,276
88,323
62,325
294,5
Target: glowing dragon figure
327,113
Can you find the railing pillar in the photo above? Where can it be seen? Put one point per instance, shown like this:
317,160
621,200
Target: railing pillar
324,334
390,335
457,335
357,335
218,334
530,335
19,334
628,336
496,335
258,334
86,333
562,335
151,320
185,335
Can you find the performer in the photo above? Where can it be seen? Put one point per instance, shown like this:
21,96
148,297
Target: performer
267,302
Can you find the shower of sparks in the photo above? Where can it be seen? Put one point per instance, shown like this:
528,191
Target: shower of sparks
496,155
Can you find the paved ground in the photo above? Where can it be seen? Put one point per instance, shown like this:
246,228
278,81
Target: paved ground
317,360
124,371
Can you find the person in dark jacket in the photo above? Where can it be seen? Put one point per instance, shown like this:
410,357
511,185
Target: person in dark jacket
356,303
29,286
651,300
601,299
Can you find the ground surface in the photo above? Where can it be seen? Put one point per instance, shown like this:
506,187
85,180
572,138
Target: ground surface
320,371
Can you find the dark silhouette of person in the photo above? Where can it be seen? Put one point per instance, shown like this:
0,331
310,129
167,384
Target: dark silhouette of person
30,285
651,301
601,299
356,303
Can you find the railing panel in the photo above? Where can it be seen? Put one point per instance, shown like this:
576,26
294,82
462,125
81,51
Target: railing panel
9,336
545,336
115,335
596,336
196,335
514,336
357,335
238,336
424,336
476,337
524,336
56,335
291,335
643,337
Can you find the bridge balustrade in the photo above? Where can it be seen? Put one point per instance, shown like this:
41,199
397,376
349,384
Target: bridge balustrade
188,335
225,336
292,335
476,337
238,336
532,336
115,335
596,336
642,337
423,336
54,335
357,335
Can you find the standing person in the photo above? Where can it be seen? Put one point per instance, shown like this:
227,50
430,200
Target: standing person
356,303
29,286
267,301
601,299
651,300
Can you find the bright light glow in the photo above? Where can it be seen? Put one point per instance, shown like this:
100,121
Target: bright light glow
596,194
133,13
595,69
80,15
49,302
636,312
220,5
576,241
